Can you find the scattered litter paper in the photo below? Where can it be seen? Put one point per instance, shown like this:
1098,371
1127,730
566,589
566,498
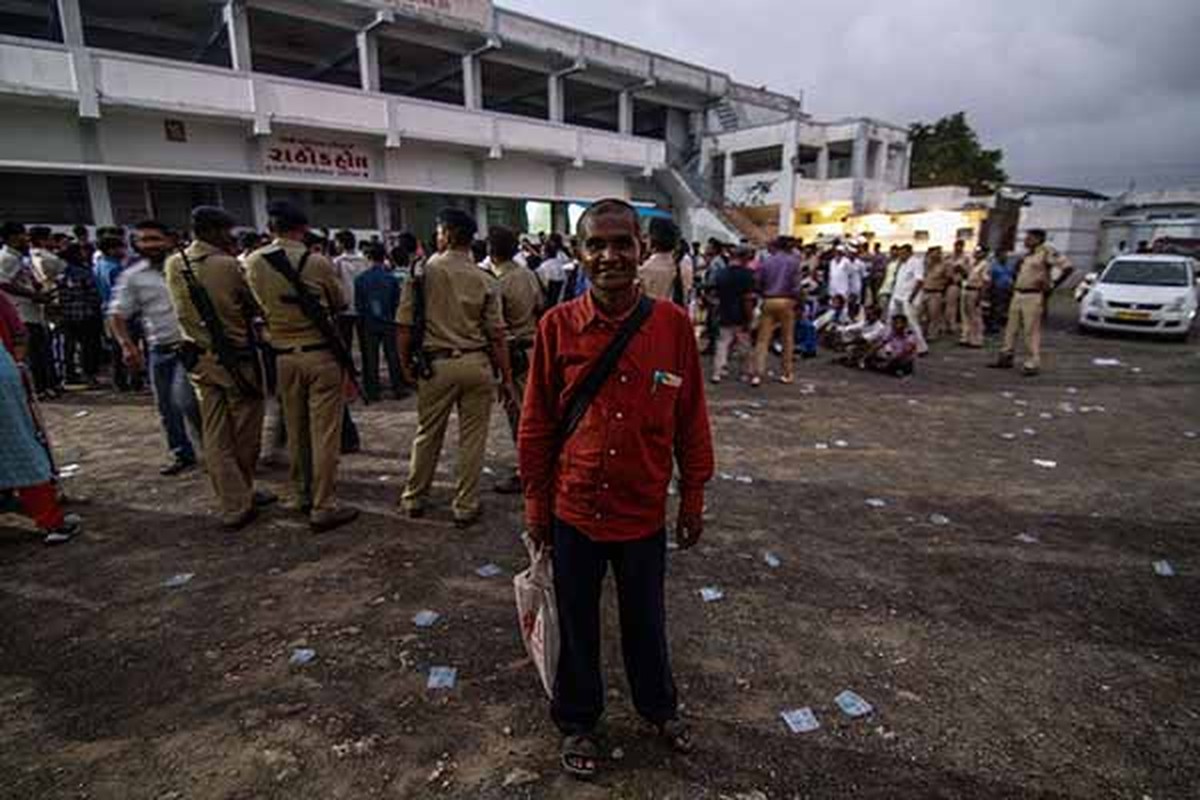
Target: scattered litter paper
1072,390
1066,408
800,720
1021,403
68,470
1029,432
488,571
853,705
841,443
442,678
1007,395
1136,370
1164,569
1106,362
939,519
1026,538
1190,434
876,502
82,414
711,594
742,414
182,579
1046,415
744,479
1044,463
914,402
302,656
1008,437
1020,415
425,619
821,446
725,476
489,471
772,560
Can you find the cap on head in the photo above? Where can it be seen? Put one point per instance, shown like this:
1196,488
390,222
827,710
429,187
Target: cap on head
286,216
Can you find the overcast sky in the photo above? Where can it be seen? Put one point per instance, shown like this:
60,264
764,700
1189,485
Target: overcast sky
1087,93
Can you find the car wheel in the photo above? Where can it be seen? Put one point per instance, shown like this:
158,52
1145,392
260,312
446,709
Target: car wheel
1082,329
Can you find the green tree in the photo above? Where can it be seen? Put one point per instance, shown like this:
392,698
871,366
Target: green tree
948,153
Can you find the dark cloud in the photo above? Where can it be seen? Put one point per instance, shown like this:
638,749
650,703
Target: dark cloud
1082,92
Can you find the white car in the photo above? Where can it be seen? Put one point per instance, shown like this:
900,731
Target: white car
1153,294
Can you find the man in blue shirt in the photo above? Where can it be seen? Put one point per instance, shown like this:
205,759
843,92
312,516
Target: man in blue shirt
1003,274
376,297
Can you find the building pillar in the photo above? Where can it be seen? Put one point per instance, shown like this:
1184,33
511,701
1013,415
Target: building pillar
787,200
100,199
556,98
237,30
560,219
823,163
625,113
258,204
70,21
472,82
383,212
858,168
906,167
481,216
368,60
881,162
728,179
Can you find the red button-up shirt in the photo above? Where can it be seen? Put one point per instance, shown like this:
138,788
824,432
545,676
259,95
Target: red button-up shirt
610,480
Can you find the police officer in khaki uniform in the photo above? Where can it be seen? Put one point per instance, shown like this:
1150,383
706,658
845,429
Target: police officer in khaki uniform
957,267
523,299
1041,272
977,286
310,380
231,405
463,325
937,280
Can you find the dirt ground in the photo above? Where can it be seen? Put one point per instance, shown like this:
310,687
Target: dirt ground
1059,666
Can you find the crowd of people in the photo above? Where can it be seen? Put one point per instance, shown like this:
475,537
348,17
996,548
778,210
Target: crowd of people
592,345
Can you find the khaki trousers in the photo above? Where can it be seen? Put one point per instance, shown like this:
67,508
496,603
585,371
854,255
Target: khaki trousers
466,384
1025,317
310,387
972,329
776,311
935,314
953,310
232,425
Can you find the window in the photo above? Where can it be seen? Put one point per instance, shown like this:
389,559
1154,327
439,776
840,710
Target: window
330,208
806,161
753,162
965,234
921,236
171,202
44,199
1147,273
841,159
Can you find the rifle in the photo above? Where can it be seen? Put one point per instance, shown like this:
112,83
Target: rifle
310,307
222,347
420,359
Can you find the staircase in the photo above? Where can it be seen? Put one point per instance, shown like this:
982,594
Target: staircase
727,116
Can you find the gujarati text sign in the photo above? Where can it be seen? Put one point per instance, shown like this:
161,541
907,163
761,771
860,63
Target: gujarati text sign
305,156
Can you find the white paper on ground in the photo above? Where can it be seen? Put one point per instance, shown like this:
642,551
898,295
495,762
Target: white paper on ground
800,720
442,677
853,705
711,594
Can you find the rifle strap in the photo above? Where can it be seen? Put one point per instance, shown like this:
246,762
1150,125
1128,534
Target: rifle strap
601,371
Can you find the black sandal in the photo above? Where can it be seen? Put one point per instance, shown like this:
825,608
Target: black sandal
580,755
678,735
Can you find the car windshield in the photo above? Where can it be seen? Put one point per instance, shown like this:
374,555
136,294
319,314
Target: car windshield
1147,273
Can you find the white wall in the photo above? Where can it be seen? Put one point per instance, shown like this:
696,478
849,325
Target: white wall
135,140
1072,226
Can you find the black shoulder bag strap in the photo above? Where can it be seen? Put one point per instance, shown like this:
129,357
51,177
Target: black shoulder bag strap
594,381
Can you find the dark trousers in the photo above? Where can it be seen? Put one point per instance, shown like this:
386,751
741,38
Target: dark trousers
82,338
370,339
176,402
40,357
640,568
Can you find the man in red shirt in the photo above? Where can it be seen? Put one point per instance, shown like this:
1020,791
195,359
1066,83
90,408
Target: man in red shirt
600,496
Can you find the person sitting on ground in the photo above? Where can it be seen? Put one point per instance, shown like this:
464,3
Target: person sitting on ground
860,338
895,355
828,325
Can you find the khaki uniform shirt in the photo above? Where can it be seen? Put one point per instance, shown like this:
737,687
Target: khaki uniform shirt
222,278
658,276
462,304
958,267
980,275
1037,269
286,324
522,297
937,275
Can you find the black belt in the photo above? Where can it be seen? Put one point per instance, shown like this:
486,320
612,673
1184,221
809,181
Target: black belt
243,353
307,348
1029,291
166,349
452,353
935,291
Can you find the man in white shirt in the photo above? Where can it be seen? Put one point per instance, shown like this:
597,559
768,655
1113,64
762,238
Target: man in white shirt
910,279
860,338
550,272
20,281
348,264
662,276
841,274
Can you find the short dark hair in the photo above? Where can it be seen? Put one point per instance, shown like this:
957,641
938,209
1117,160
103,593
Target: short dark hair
39,232
664,235
502,243
313,238
248,240
460,226
374,251
110,244
479,250
286,217
607,206
1037,233
11,229
346,239
210,219
153,225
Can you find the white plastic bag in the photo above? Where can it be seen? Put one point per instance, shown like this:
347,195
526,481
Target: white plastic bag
537,613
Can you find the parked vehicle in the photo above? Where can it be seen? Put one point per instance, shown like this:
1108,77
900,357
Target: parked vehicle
1151,294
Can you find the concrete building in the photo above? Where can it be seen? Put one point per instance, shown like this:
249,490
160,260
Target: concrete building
1140,219
373,114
